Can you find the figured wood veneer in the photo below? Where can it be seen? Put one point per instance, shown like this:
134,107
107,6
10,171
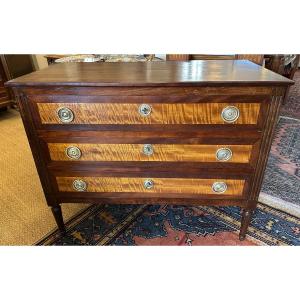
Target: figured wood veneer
162,152
162,113
161,185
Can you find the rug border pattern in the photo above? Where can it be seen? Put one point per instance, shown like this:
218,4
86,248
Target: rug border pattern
254,234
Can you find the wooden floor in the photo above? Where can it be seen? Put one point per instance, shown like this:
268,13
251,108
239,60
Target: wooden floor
24,214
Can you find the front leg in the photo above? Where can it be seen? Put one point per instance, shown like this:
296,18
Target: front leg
245,221
56,210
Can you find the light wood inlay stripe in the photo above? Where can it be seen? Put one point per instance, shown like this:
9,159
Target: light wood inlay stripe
161,185
119,113
162,152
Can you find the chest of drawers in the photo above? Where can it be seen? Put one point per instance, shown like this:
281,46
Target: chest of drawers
190,133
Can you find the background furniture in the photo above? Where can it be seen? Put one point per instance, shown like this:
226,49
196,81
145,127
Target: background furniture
102,58
211,56
12,66
177,133
178,57
258,59
5,97
18,65
285,65
52,57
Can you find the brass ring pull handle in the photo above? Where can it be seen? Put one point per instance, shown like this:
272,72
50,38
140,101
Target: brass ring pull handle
79,185
148,184
73,152
219,187
230,114
224,154
65,115
145,110
148,149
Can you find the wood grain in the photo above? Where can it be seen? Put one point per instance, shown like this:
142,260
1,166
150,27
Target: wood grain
117,113
161,185
55,92
162,152
178,57
186,98
165,73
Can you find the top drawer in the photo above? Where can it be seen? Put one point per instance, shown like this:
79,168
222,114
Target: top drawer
149,113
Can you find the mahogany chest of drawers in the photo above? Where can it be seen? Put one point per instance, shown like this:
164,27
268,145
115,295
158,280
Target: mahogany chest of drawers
191,133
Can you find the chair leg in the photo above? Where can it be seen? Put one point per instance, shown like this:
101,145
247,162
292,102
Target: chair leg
245,221
56,210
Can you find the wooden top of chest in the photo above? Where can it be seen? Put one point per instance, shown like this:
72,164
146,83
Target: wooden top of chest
165,73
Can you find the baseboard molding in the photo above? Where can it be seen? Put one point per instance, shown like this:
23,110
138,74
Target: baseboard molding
280,204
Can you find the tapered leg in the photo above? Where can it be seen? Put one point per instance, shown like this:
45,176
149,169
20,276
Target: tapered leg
56,210
245,221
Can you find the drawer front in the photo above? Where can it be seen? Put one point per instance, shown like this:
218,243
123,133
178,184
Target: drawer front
150,152
226,187
154,113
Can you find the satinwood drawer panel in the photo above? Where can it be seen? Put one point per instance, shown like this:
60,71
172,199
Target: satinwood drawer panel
234,187
160,113
150,152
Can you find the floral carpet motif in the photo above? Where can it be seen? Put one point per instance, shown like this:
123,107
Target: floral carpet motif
175,225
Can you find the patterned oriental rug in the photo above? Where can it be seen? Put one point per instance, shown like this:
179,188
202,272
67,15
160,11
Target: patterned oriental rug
291,108
175,225
276,220
281,186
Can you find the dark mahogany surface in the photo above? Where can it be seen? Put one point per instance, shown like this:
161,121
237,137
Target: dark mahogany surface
166,73
230,81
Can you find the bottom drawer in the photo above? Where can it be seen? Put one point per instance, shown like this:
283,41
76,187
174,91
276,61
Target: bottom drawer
230,187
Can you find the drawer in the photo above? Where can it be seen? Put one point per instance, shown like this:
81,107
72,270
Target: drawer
226,187
150,152
153,113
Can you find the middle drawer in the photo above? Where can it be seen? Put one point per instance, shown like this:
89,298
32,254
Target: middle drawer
201,146
150,152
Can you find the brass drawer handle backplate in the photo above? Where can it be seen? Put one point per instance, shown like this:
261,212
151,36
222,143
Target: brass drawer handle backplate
79,185
145,110
148,184
219,187
148,149
230,114
65,115
73,152
224,154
